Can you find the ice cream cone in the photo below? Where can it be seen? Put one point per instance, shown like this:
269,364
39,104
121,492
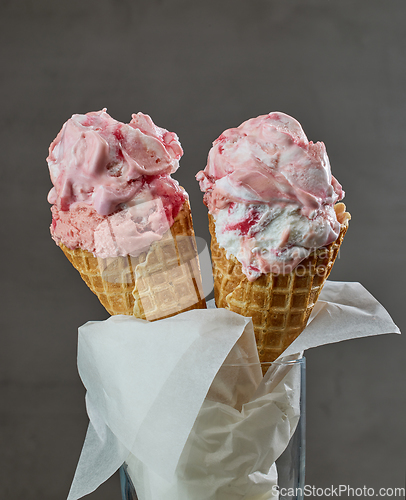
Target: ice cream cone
159,283
279,304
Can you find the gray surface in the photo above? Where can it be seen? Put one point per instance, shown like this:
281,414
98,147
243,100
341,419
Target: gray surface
198,68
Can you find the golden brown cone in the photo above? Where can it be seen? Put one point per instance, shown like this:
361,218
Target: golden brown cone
159,283
279,305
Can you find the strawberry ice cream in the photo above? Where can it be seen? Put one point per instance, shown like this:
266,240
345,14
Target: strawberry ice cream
113,194
271,194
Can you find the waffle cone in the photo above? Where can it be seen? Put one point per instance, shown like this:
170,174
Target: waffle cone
159,283
279,304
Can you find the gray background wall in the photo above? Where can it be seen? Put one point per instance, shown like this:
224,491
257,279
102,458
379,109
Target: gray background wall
199,67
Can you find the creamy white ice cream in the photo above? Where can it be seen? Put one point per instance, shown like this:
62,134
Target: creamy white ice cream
271,194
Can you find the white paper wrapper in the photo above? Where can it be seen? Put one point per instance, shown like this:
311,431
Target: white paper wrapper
344,311
146,384
232,448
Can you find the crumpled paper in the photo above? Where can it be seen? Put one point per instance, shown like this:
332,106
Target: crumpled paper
146,382
147,385
231,451
345,310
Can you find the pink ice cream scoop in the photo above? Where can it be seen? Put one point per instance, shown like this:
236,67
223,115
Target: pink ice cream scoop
271,194
113,192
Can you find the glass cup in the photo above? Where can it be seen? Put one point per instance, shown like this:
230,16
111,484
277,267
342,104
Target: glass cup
258,433
291,464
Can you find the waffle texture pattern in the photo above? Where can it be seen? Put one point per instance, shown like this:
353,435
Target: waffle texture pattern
279,305
159,283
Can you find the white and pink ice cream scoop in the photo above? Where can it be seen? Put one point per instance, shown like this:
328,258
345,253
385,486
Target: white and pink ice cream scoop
113,193
271,194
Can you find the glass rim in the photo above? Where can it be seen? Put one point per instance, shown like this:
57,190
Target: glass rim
277,362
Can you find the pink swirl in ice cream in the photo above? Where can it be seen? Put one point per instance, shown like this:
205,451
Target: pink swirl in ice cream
113,194
271,193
